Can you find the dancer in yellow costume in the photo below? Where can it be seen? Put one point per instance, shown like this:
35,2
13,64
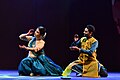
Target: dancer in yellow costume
87,64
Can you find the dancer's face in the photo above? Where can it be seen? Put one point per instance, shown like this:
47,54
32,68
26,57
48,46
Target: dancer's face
87,33
37,33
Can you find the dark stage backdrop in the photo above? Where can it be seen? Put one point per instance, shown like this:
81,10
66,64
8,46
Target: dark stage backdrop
62,18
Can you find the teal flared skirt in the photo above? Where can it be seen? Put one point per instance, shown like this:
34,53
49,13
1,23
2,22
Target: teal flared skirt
41,65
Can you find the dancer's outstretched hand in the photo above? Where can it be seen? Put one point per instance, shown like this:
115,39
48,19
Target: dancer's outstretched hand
74,48
22,46
31,31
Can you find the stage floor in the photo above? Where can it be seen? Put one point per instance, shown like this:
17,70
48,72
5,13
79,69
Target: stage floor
13,75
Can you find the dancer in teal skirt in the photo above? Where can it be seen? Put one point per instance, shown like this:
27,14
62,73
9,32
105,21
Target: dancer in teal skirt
37,63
